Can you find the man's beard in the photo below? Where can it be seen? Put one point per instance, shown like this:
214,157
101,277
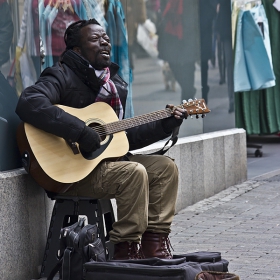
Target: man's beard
100,63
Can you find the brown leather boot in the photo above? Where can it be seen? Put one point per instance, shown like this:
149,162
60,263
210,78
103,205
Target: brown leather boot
216,275
128,251
156,245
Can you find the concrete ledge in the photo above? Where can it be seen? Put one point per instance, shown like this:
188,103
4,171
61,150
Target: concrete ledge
208,163
25,214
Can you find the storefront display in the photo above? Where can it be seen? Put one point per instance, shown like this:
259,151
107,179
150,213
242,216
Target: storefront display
178,41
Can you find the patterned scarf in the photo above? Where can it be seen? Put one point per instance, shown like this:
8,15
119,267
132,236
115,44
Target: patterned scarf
108,92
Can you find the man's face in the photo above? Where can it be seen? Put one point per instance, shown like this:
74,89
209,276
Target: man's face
95,46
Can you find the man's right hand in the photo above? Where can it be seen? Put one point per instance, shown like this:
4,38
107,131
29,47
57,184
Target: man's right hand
89,140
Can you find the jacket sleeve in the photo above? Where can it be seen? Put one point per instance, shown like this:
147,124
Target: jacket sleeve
147,134
36,106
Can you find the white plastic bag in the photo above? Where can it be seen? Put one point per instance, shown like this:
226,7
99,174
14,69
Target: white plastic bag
147,37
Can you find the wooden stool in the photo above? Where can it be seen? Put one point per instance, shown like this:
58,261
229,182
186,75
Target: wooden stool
66,211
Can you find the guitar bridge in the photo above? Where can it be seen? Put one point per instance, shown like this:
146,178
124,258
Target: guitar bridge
74,148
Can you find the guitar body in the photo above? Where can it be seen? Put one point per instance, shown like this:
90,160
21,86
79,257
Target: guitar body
51,155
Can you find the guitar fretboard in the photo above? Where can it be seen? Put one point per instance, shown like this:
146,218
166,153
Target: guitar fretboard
122,125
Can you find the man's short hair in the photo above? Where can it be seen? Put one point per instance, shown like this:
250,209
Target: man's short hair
72,35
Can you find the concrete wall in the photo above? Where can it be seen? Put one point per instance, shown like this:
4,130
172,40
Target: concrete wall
208,163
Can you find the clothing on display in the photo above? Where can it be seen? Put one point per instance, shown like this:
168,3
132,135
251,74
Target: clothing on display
253,67
48,19
117,33
258,111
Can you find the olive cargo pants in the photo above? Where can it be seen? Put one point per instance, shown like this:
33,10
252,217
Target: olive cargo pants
145,189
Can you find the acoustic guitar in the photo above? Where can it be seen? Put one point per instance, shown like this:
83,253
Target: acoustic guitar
55,165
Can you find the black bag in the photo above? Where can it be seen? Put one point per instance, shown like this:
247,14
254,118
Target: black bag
152,269
78,244
201,256
209,261
185,266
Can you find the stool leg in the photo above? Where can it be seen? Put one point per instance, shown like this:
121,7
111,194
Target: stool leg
58,221
97,211
106,211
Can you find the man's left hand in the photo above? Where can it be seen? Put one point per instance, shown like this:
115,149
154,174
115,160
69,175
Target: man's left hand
180,113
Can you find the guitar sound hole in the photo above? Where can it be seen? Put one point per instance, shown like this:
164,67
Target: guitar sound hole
99,129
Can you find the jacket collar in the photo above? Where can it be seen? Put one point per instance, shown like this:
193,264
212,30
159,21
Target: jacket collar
81,68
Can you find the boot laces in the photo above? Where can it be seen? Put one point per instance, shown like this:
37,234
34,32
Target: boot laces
140,252
166,245
135,251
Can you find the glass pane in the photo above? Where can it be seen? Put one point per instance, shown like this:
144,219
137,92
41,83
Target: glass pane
177,53
9,156
177,50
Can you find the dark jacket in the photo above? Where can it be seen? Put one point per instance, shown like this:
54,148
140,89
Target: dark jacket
72,83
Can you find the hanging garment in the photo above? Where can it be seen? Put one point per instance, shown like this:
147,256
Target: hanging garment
276,4
48,49
260,18
29,28
123,58
117,33
80,9
42,22
27,70
54,20
111,28
28,42
122,44
59,25
252,66
94,9
234,15
258,112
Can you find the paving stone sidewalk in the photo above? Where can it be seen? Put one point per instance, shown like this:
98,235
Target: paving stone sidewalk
242,222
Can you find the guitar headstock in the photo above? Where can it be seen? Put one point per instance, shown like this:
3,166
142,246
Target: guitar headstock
195,107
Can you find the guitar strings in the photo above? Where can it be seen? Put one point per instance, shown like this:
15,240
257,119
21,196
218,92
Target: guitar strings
118,126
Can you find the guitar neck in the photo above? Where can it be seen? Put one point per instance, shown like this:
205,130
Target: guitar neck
122,125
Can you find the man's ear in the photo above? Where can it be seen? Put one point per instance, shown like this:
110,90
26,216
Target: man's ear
77,50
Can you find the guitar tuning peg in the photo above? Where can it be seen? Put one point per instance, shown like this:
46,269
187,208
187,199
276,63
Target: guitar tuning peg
184,101
197,116
190,100
203,115
191,117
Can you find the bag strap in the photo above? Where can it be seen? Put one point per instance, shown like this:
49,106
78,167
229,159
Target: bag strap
55,270
64,262
173,139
